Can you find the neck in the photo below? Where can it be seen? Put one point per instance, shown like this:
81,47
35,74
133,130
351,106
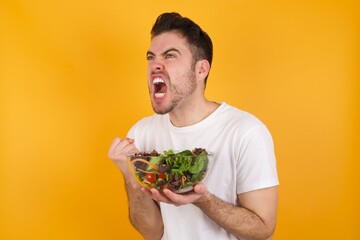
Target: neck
189,113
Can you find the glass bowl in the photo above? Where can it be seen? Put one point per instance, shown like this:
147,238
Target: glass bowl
177,171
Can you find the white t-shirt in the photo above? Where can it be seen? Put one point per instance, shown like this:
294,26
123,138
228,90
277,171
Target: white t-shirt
243,161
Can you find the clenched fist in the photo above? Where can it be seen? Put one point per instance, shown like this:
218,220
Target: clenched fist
118,154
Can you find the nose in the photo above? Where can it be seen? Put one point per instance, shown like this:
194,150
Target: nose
156,66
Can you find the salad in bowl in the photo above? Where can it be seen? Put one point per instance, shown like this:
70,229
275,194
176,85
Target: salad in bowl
177,171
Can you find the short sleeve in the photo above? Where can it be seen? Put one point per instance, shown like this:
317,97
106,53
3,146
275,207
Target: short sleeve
256,166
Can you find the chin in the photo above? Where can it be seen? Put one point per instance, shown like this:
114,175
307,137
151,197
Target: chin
160,109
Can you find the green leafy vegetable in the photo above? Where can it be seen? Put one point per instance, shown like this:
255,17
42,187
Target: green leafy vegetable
175,170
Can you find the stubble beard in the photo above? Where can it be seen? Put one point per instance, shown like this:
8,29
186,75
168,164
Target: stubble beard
178,93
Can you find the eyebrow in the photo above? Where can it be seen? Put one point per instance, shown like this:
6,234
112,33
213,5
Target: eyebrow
164,53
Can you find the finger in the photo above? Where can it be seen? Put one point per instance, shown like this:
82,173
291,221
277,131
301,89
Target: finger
122,147
114,143
131,141
148,193
173,197
157,196
200,188
130,149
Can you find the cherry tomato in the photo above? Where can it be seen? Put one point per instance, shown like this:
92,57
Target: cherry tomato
150,177
162,176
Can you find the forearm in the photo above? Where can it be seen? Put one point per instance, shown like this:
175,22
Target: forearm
144,214
238,221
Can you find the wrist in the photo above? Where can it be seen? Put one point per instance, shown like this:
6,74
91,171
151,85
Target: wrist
130,182
205,198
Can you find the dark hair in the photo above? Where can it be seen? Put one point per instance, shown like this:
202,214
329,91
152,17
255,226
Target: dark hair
199,41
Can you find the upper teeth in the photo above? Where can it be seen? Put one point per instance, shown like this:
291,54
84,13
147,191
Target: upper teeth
158,80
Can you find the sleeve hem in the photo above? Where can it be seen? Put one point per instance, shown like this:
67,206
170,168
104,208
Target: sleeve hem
257,186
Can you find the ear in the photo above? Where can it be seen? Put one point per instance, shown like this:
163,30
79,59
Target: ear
202,69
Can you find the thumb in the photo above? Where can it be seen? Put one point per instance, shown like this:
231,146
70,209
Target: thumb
200,188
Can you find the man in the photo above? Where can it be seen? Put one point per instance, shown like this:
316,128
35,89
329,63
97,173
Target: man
238,198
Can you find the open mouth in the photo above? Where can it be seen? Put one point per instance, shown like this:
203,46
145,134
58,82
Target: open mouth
159,87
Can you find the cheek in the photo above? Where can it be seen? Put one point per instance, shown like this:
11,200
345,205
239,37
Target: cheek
179,72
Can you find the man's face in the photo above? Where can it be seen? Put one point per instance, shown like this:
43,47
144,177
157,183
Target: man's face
171,73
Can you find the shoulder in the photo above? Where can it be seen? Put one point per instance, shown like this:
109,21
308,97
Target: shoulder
237,118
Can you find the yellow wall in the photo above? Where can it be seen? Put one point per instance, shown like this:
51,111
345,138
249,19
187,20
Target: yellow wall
73,76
